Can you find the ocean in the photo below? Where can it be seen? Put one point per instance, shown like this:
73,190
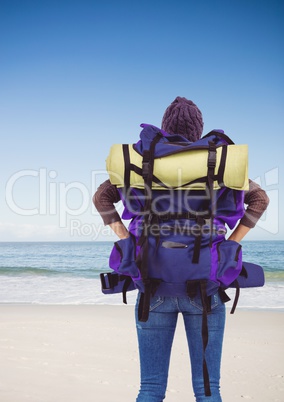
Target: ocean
68,273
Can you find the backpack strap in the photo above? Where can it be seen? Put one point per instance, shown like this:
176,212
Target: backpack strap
149,284
112,282
192,289
237,295
127,166
211,164
197,241
225,298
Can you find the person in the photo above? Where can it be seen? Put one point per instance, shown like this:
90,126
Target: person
155,336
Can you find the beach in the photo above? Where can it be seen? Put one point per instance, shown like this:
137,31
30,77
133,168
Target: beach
89,353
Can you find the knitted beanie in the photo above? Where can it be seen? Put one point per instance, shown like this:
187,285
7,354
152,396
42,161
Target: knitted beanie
183,117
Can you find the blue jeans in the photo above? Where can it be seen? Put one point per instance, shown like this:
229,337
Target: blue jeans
155,338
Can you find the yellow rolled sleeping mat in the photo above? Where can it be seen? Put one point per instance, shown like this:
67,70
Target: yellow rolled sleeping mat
183,170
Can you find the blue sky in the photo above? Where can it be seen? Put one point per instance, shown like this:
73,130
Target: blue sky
78,76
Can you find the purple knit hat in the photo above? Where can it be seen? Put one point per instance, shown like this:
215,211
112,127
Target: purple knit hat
183,117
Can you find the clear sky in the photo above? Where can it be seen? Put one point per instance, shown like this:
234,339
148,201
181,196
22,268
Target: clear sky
77,76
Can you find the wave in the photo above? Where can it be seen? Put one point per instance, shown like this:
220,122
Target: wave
18,270
89,272
274,276
45,271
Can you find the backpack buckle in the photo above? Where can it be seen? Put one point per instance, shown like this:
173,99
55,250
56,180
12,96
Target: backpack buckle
108,280
146,164
145,169
211,162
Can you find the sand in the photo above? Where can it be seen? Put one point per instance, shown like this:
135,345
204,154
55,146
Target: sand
89,353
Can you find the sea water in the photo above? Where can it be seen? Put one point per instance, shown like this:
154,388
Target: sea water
68,273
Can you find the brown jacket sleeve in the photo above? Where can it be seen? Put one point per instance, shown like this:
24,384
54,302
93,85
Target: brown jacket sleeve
104,198
257,202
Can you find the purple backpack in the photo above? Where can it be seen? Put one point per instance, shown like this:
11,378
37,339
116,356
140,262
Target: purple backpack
177,245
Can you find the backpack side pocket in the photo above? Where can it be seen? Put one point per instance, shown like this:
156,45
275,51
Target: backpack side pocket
126,249
229,262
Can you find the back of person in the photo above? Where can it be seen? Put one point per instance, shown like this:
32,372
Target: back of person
172,250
